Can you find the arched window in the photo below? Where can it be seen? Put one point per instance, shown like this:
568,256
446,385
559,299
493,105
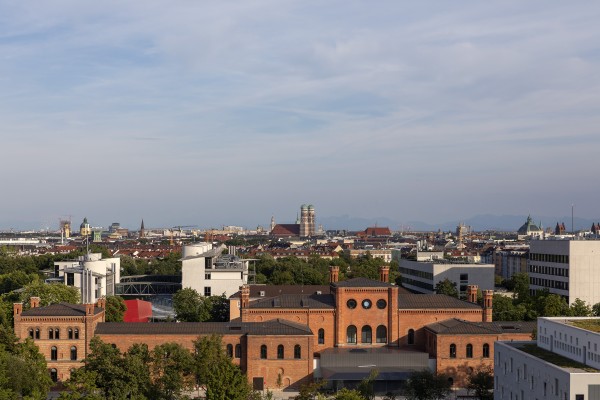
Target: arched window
70,333
452,350
411,336
297,351
238,351
230,350
351,334
469,350
263,351
381,334
451,381
56,333
37,333
76,333
50,333
54,353
31,332
54,375
366,334
73,353
321,336
486,350
280,352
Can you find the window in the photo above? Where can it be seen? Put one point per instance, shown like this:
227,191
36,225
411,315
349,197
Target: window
56,333
381,334
297,352
321,336
263,351
207,291
73,353
50,333
486,350
54,375
452,350
230,350
351,334
411,336
351,304
280,352
366,334
70,333
37,333
469,350
381,304
238,351
31,333
76,333
464,277
366,303
54,353
70,279
207,276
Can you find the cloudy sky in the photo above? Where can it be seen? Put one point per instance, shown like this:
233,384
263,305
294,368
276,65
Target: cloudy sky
212,113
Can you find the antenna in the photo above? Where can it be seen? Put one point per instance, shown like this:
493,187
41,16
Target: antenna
573,219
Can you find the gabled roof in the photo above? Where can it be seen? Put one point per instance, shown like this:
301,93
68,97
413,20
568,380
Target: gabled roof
272,327
286,230
457,326
59,310
420,301
361,282
296,301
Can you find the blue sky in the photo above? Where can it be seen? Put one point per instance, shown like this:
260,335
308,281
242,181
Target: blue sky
215,113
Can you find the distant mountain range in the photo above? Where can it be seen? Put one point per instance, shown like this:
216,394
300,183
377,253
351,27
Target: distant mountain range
509,223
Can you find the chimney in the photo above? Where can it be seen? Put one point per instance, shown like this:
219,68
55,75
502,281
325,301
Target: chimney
34,302
244,296
384,274
89,309
472,293
487,305
17,309
334,274
101,303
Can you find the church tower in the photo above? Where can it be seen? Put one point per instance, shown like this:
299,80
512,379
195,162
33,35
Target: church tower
142,230
304,224
272,223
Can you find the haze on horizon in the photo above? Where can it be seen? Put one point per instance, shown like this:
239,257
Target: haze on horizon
215,113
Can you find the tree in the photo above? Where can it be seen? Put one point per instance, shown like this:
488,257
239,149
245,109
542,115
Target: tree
580,308
521,286
187,303
309,391
365,387
505,310
596,310
446,287
226,381
50,293
81,386
347,394
208,351
115,309
172,370
481,383
23,372
425,385
554,305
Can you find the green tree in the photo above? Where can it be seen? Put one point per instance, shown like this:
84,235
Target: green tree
596,310
347,394
521,286
554,305
505,309
115,309
226,381
446,287
50,293
366,386
309,391
106,361
208,351
188,306
481,382
81,386
580,308
172,369
24,372
425,385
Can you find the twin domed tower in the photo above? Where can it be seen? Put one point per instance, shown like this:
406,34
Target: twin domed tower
307,220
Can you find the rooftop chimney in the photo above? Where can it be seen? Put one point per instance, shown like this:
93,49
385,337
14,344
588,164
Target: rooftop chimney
384,274
334,273
17,309
101,303
472,293
487,305
244,296
34,302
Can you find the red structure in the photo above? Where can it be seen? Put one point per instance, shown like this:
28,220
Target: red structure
137,311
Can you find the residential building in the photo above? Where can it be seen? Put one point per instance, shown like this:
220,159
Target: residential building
562,363
569,268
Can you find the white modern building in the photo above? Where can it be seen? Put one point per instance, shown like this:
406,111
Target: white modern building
563,363
94,276
422,276
210,272
569,268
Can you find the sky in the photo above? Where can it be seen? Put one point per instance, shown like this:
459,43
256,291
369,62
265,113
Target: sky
215,113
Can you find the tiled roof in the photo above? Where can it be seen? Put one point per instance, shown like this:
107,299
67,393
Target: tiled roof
361,282
419,301
296,301
59,310
460,327
273,327
286,230
258,291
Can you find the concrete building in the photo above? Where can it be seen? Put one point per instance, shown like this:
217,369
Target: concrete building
569,268
211,273
94,276
563,363
422,276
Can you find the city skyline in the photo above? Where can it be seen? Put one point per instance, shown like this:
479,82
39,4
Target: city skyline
222,114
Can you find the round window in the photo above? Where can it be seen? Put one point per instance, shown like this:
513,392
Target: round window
381,303
366,303
351,303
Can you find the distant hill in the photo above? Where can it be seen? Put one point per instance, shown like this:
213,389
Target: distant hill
482,222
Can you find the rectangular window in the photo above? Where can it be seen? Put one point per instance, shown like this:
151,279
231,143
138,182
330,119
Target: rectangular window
207,276
464,277
70,279
207,291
